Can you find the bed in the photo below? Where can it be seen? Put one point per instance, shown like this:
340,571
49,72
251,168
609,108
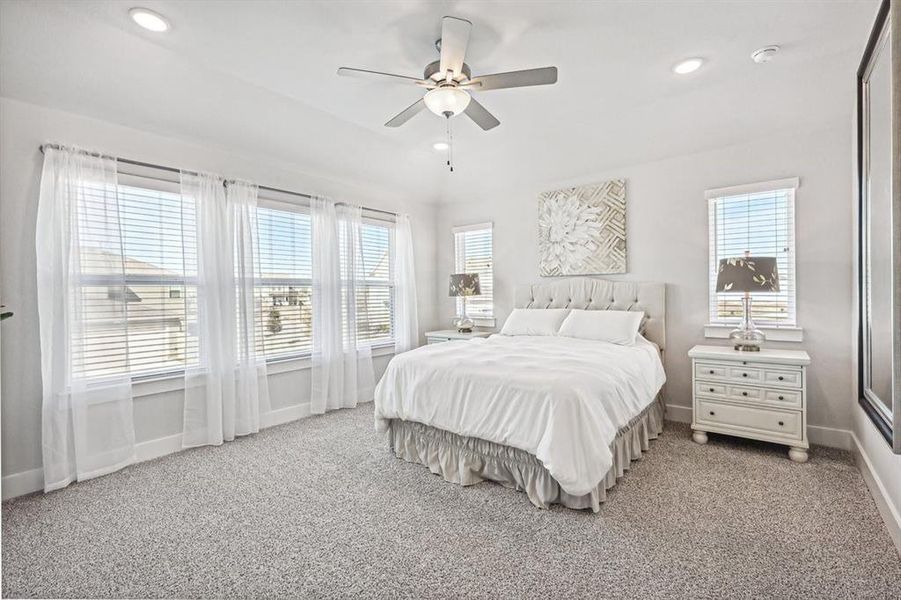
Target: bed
559,418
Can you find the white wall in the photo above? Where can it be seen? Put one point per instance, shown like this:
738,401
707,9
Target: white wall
23,127
667,241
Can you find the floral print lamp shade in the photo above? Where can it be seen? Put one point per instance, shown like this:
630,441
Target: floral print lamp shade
464,285
747,274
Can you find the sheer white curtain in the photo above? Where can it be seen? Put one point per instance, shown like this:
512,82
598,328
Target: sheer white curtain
342,364
225,390
88,429
406,320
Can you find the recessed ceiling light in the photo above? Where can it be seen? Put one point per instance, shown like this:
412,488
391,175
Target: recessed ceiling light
688,66
149,20
765,54
440,145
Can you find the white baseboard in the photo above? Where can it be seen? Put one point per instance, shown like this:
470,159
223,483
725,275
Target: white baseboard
889,513
829,436
679,414
286,415
26,482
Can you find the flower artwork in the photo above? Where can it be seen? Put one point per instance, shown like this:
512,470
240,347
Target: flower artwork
582,230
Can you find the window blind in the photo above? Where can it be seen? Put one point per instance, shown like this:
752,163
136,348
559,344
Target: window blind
760,222
285,293
158,253
473,249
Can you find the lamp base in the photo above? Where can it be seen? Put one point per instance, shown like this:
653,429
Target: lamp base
747,339
464,325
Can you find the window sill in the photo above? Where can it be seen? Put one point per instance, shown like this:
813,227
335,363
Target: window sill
773,334
173,382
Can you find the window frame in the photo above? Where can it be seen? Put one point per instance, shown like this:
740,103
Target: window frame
481,319
718,327
164,180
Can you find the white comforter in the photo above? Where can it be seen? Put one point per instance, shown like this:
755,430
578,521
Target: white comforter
561,399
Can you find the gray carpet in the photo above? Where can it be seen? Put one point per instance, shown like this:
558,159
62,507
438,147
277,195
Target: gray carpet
319,508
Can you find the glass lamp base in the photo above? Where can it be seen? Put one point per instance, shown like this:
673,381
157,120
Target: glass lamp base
747,339
464,324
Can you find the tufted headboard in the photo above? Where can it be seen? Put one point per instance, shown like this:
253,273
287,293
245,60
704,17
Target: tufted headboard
601,294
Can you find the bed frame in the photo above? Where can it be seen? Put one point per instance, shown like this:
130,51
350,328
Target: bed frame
592,293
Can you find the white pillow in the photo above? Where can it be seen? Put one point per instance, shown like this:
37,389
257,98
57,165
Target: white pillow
534,321
615,326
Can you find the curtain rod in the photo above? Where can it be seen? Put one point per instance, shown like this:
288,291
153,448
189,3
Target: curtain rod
138,163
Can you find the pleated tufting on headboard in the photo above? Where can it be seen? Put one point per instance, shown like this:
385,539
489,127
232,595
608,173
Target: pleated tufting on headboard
590,293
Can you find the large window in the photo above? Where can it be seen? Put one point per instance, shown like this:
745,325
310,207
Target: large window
158,235
158,242
760,219
473,254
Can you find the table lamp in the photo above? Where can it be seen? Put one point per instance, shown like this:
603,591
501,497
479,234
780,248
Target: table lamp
464,285
747,274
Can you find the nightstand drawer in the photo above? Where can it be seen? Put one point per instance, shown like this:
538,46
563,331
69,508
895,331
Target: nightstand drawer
783,378
745,374
787,397
782,423
710,371
741,392
710,388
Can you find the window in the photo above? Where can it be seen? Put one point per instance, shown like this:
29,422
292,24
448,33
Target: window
285,296
158,252
760,219
473,254
375,305
159,255
285,293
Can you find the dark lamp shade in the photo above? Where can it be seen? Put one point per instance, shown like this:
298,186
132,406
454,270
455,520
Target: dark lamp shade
464,284
748,274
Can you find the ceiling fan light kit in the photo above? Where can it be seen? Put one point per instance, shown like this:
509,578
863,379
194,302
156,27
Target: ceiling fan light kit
449,82
447,101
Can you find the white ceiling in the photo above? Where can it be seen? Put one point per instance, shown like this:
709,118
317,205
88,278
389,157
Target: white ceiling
259,76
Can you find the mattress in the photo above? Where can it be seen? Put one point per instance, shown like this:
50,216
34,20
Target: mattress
561,400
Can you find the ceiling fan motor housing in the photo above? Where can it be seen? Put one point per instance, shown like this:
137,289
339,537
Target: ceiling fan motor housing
433,71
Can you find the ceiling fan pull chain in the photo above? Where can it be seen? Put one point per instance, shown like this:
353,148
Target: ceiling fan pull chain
450,144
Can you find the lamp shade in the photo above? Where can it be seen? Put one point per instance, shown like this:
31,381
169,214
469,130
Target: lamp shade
445,100
464,284
748,274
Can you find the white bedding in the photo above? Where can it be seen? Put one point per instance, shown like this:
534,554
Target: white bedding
561,399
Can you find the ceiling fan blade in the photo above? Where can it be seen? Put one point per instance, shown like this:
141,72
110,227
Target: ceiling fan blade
481,116
378,75
407,114
499,81
454,38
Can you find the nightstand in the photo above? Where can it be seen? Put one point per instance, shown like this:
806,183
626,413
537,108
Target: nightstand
757,395
446,335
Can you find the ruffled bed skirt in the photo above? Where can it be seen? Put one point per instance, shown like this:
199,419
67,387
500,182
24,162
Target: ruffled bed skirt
468,460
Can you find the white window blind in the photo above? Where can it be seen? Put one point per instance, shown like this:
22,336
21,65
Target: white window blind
473,251
759,219
285,316
375,300
159,300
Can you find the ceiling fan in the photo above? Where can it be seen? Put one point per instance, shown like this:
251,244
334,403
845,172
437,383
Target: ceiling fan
449,81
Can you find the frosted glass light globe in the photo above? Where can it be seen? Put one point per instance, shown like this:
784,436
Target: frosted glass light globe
447,100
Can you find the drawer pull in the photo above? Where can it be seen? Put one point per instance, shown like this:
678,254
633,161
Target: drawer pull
781,423
744,374
744,393
712,413
711,389
711,371
781,378
782,397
